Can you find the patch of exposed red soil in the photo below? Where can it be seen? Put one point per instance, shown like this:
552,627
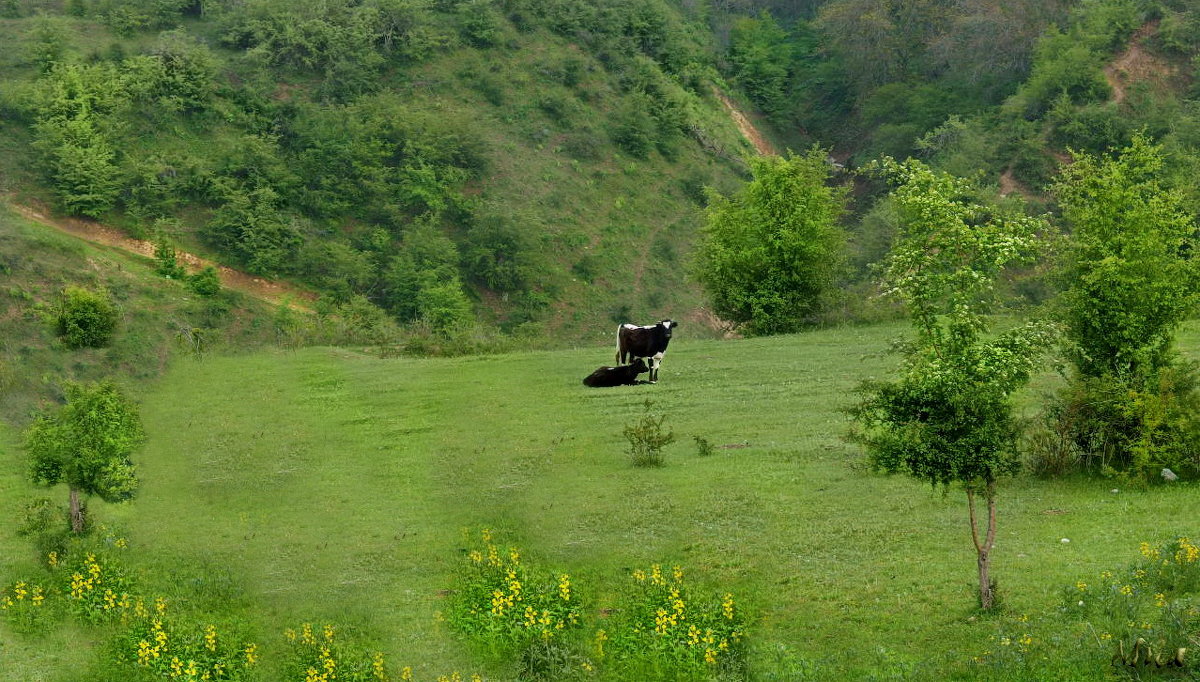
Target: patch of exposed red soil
751,133
98,233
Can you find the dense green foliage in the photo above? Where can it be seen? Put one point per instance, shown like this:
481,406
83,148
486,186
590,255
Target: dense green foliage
771,251
1129,283
1130,278
85,318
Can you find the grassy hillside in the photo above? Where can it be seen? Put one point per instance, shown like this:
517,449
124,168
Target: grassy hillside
158,318
324,486
537,164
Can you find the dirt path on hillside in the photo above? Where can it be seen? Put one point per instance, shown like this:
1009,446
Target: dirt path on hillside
751,133
1136,65
98,233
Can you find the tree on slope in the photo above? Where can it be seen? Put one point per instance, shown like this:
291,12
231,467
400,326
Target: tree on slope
948,417
86,445
771,251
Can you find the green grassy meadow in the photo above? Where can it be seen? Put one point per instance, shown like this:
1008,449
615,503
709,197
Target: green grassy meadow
324,485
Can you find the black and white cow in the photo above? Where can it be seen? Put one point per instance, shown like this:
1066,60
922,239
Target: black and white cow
617,376
645,342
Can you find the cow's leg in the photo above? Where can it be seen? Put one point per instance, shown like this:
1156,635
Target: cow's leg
654,362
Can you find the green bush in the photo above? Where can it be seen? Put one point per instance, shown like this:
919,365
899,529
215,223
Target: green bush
47,525
647,438
771,251
633,127
206,282
84,318
1115,426
166,264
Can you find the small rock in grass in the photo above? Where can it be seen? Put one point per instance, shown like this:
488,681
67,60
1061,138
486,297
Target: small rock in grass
1065,541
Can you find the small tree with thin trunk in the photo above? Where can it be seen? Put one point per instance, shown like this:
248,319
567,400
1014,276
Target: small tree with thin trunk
948,418
86,444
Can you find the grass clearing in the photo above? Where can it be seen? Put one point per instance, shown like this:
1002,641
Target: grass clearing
322,485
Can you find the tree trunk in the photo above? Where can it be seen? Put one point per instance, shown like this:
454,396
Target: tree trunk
76,512
983,550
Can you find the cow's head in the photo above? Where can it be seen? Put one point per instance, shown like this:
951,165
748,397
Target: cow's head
668,325
639,366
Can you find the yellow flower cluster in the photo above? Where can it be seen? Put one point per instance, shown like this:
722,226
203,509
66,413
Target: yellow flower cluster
36,596
321,660
456,677
1187,552
697,628
183,657
509,600
377,668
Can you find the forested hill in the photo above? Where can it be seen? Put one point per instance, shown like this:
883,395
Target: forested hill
540,166
1002,87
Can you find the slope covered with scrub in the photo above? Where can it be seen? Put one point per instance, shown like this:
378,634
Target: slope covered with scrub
537,164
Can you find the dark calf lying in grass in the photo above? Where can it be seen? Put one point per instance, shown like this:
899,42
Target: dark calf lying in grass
617,376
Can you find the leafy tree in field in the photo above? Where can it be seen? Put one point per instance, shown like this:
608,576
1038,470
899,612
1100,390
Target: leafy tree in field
84,318
1130,281
86,445
948,418
1131,278
771,251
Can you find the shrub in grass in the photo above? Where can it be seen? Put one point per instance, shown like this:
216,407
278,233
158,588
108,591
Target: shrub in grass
96,587
323,655
1124,428
703,447
513,608
1146,615
23,606
170,647
84,318
45,523
663,631
647,438
206,282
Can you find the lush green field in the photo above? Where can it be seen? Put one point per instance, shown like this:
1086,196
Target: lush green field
326,486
